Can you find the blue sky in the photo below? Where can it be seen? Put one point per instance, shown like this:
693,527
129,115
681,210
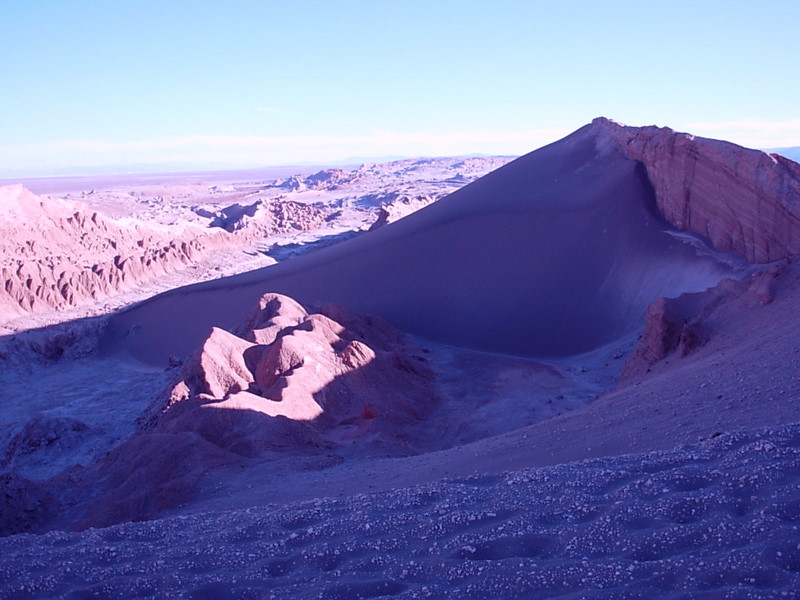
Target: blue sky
241,83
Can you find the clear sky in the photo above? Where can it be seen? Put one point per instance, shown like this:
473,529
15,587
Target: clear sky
241,83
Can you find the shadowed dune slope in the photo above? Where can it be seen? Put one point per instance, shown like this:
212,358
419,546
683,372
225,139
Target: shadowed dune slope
554,254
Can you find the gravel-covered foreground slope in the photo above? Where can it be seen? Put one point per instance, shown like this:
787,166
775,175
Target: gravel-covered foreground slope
715,520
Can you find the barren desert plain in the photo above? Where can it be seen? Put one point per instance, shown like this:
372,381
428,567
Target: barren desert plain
572,374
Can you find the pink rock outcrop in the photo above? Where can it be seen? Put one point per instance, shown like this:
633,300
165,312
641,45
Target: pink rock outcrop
672,326
336,375
744,201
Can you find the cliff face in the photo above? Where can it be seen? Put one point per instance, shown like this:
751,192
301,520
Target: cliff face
744,201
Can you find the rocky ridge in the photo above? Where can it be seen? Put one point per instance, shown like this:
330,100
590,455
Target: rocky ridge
58,253
744,201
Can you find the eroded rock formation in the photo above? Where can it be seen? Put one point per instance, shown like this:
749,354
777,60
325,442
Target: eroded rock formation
287,381
677,327
59,253
673,326
265,218
332,375
327,179
744,201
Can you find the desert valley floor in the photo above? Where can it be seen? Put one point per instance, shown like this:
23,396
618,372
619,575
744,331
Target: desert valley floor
575,374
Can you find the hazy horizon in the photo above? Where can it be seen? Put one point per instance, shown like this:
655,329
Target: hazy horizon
94,85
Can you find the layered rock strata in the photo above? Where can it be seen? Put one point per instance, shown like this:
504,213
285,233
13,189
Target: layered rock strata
744,201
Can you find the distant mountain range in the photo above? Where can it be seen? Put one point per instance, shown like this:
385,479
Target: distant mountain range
18,174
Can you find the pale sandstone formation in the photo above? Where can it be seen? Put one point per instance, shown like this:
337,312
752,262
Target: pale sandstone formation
265,218
327,179
400,206
744,201
59,253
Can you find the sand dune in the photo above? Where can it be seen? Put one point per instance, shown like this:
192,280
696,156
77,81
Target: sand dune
554,254
98,244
